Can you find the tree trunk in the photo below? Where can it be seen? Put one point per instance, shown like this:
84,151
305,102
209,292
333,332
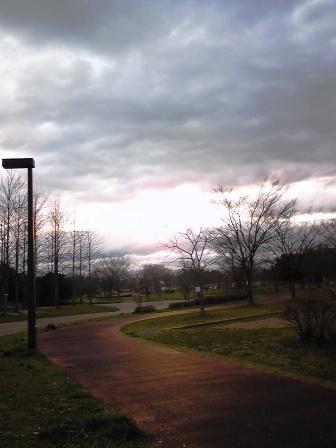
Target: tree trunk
276,286
24,289
293,289
17,275
185,296
56,286
80,270
89,277
250,297
201,299
73,268
56,291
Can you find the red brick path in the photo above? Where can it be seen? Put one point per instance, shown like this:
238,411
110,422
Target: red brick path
191,400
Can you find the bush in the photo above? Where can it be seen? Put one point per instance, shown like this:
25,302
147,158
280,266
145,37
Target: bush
180,304
313,319
145,309
50,327
45,289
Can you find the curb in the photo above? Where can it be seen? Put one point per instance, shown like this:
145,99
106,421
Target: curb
222,321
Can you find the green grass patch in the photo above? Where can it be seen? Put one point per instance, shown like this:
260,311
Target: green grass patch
64,310
277,348
178,295
166,322
13,316
41,407
271,348
73,310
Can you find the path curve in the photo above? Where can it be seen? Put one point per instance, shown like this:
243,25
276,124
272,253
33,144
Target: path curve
188,399
122,307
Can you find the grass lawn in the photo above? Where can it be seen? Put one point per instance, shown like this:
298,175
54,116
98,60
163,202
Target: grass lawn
165,322
42,407
178,295
275,349
64,310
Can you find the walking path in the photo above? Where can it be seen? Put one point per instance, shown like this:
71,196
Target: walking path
125,307
188,399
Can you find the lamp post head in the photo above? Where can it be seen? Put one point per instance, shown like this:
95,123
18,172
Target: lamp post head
12,164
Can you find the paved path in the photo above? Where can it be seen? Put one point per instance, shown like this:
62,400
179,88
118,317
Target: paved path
188,399
126,307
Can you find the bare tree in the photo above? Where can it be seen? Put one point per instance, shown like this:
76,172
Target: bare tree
82,249
249,224
40,221
328,231
185,281
194,255
152,277
11,186
57,240
19,236
80,259
73,238
292,242
113,271
76,249
92,249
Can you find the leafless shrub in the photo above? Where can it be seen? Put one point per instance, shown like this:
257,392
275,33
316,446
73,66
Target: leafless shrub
314,319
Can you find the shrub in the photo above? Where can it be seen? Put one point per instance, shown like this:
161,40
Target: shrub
50,327
180,304
145,309
313,319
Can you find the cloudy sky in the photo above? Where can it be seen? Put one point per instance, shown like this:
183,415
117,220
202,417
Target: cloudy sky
135,109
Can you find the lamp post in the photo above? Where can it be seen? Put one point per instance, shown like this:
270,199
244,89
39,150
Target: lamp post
11,164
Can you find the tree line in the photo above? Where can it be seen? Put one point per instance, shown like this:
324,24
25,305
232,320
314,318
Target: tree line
259,236
61,249
71,265
259,233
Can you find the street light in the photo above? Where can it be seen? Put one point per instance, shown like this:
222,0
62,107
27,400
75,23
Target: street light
12,164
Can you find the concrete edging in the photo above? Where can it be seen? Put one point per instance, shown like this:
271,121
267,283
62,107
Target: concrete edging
221,321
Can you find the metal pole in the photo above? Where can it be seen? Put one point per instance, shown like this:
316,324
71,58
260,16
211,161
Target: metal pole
31,267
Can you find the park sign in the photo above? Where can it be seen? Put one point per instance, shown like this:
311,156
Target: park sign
12,164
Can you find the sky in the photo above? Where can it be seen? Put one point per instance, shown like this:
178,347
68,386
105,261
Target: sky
135,110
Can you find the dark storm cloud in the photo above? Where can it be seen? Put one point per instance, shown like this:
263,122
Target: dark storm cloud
127,95
103,25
